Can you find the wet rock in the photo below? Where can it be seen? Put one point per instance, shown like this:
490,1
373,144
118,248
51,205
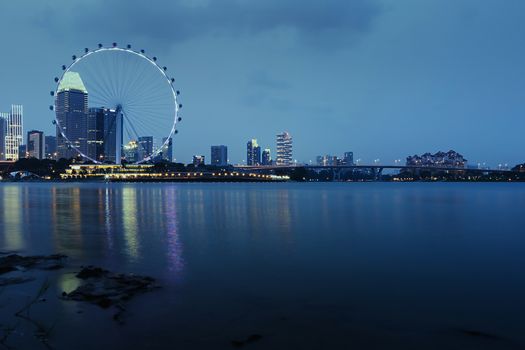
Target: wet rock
91,272
13,262
106,289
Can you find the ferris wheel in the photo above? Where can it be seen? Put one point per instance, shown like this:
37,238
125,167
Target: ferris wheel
113,103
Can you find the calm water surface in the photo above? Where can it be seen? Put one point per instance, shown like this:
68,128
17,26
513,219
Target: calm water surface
307,266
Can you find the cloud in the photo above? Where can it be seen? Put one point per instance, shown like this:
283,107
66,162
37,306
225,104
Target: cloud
314,22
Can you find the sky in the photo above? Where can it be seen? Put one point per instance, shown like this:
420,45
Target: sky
382,78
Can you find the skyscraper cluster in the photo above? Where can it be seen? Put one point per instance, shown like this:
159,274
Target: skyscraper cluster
94,132
254,156
328,160
11,133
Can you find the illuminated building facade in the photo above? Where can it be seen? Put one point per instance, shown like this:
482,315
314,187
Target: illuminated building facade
198,160
284,149
145,146
219,155
71,108
13,132
35,144
266,157
51,147
3,130
253,153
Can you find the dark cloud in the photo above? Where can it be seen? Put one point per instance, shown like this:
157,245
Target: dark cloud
316,22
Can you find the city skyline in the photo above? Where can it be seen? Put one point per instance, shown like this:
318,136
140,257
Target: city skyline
379,70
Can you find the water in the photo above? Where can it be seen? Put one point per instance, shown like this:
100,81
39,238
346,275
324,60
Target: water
307,266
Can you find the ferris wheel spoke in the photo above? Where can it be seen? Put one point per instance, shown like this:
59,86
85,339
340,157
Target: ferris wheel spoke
99,87
132,127
118,77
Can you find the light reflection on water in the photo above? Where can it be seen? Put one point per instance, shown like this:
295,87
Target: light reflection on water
12,218
377,261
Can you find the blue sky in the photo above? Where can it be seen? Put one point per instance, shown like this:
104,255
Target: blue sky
383,78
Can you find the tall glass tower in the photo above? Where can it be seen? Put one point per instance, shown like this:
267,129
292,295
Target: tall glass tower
13,133
72,113
253,153
113,136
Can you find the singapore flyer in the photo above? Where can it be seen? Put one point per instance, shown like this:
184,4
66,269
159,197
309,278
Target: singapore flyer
115,104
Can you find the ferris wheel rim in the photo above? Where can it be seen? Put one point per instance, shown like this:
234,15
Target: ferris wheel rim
141,54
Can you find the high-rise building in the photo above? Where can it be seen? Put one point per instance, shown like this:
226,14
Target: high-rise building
348,158
3,130
51,147
22,152
219,155
198,160
329,160
13,132
131,151
95,133
253,153
266,157
167,149
145,146
284,149
71,106
112,136
35,144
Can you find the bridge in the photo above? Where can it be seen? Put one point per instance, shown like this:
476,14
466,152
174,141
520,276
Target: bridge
375,169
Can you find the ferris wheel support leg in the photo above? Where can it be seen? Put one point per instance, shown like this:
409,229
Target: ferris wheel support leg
118,136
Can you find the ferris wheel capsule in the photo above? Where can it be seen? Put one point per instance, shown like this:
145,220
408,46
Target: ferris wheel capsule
100,46
128,46
74,57
51,108
114,44
86,50
64,67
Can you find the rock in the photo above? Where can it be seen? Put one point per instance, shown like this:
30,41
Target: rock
91,272
106,289
14,262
